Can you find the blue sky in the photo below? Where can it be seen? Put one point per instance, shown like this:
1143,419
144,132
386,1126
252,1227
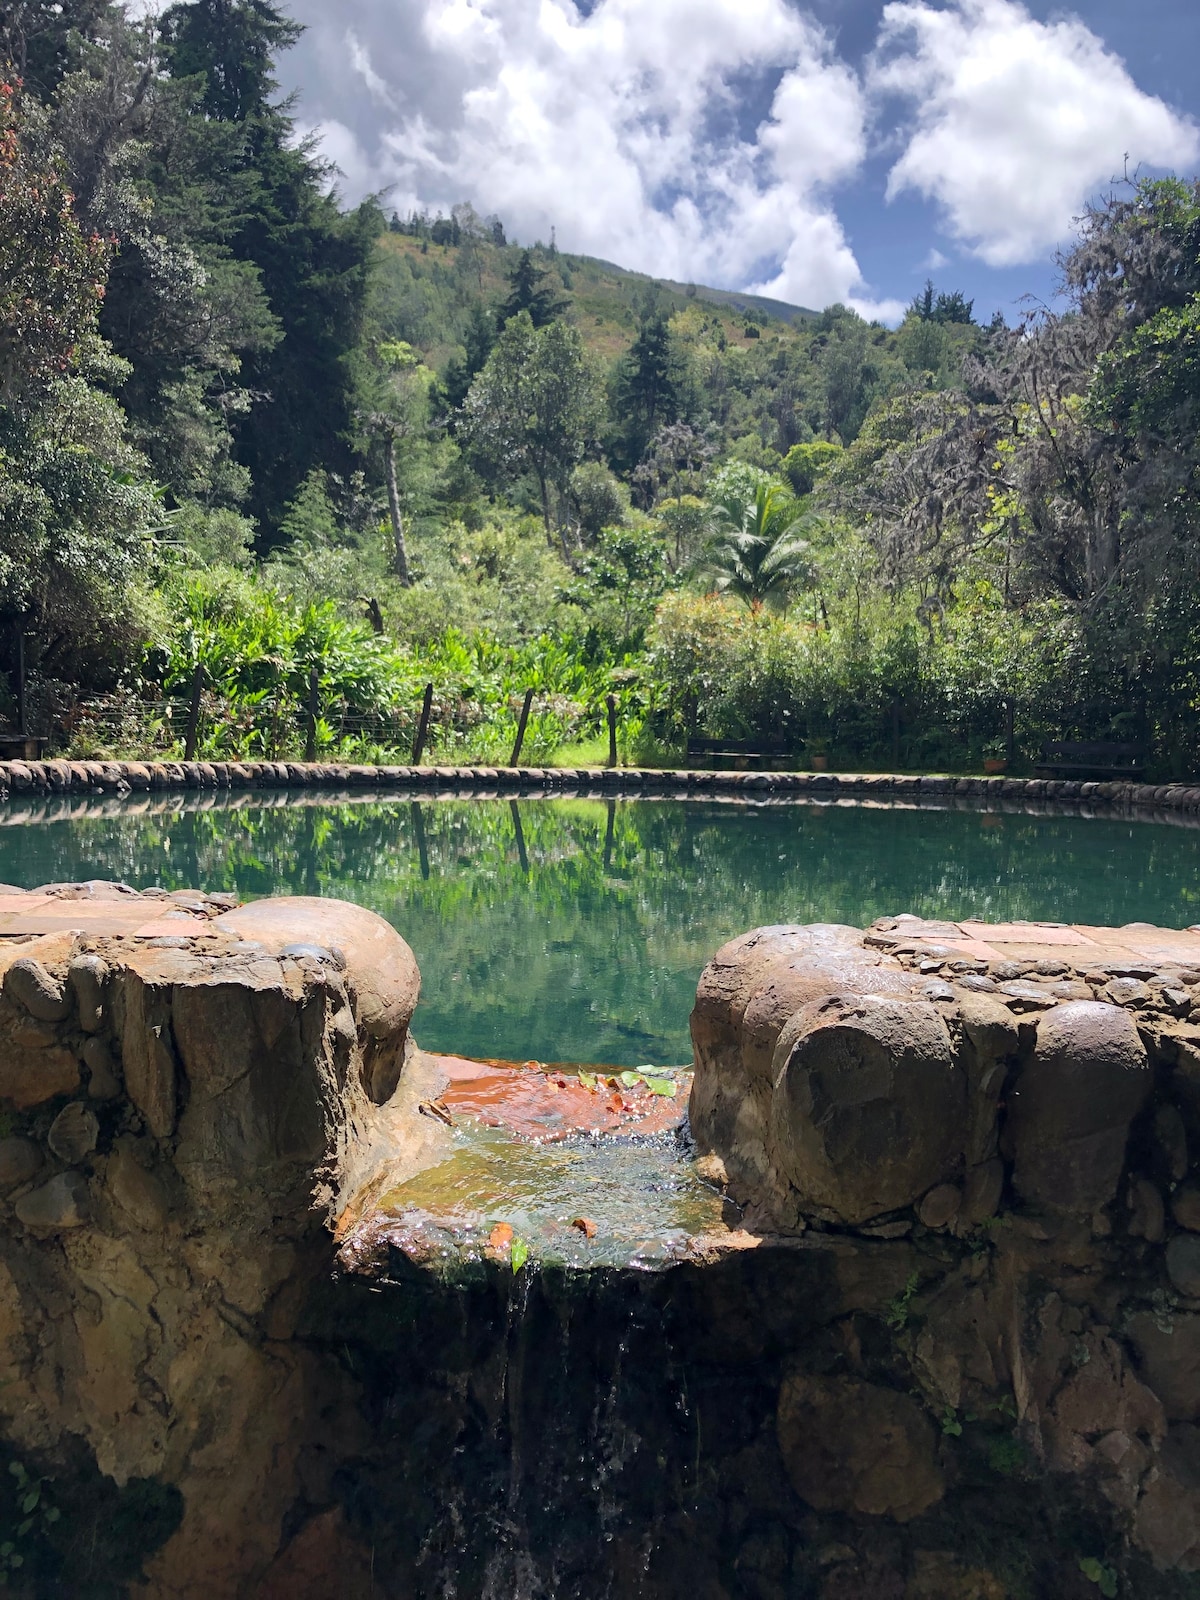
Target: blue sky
818,151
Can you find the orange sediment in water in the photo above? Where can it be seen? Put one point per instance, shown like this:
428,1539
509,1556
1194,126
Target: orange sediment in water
555,1102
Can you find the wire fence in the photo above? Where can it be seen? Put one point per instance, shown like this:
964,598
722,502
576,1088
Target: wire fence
200,719
116,722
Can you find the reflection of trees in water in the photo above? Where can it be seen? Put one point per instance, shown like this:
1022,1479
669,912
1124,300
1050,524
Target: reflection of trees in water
575,929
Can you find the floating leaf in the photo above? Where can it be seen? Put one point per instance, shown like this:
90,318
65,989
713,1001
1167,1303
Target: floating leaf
500,1236
663,1086
520,1253
587,1080
1104,1577
586,1227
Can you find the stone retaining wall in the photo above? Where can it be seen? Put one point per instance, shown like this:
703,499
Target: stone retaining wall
179,1082
1031,1091
958,1320
121,777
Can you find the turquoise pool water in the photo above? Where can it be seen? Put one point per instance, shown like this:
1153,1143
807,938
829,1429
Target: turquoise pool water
575,930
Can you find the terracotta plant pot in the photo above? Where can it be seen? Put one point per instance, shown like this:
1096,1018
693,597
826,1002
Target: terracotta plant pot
994,764
820,763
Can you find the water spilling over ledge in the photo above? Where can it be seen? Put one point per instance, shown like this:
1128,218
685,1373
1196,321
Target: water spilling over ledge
908,1306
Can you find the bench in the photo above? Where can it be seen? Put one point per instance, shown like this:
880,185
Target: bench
22,746
742,752
1090,758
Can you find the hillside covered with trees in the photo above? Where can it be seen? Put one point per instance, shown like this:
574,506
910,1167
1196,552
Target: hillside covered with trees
249,430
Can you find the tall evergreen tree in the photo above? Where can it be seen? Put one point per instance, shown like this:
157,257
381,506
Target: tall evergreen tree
313,261
648,389
923,303
529,290
233,44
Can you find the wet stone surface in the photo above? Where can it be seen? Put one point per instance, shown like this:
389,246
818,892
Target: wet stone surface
568,1167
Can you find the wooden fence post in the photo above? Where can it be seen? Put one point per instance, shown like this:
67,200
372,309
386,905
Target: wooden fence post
193,726
310,742
521,726
611,703
423,726
22,711
1010,741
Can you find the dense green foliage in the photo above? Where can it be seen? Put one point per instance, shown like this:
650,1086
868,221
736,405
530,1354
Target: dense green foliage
245,427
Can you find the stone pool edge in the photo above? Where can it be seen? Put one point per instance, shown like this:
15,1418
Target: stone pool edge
128,777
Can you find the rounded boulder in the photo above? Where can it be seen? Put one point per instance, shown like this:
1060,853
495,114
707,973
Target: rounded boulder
854,1447
380,969
1072,1105
869,1107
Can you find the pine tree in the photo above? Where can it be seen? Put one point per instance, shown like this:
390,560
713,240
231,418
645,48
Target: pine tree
313,262
233,43
954,307
922,304
530,291
648,389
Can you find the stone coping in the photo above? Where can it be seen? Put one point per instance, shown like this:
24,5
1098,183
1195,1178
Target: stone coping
121,778
1046,952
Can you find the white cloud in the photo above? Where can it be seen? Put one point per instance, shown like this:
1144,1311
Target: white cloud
935,261
629,129
706,139
360,60
1017,123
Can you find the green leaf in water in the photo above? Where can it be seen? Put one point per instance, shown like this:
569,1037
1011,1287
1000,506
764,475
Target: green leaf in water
519,1253
630,1080
663,1086
1104,1577
951,1426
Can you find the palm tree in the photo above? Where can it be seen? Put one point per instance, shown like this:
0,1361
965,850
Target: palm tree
759,556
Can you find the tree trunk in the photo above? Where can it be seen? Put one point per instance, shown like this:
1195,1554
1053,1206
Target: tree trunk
1105,551
399,548
544,486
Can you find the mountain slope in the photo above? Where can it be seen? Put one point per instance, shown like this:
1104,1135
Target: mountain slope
426,293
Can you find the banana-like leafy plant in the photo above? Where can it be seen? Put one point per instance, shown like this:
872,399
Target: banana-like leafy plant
757,553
